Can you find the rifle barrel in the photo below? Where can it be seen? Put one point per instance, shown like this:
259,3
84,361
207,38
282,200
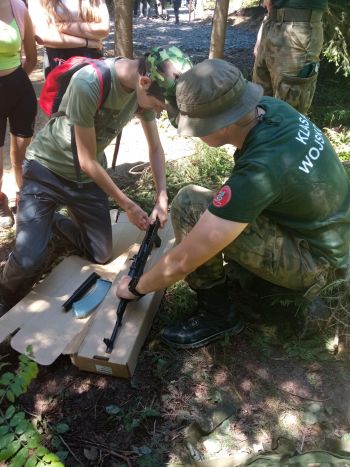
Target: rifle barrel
136,270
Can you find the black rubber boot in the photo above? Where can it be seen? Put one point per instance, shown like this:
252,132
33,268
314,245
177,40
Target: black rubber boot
215,317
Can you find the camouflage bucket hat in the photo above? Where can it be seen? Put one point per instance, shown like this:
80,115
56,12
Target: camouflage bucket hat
164,66
213,95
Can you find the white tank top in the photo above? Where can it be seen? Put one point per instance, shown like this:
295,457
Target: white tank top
72,6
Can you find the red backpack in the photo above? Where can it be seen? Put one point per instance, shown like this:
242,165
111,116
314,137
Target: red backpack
59,78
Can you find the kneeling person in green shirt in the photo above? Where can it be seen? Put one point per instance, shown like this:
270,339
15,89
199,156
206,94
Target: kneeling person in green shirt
143,86
282,216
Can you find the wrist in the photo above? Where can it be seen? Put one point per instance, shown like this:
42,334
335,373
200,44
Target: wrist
124,202
162,196
128,205
132,286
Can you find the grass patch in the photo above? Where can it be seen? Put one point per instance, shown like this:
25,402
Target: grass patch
208,167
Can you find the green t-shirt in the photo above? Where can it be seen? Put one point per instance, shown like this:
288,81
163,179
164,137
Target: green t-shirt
52,145
304,4
288,171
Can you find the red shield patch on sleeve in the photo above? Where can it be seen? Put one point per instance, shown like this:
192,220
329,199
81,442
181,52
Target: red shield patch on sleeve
222,197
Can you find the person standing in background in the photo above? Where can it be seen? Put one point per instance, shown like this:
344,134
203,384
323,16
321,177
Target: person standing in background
162,9
145,11
17,97
136,7
288,48
69,28
177,5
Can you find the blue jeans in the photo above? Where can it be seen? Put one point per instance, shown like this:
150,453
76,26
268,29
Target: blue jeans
43,192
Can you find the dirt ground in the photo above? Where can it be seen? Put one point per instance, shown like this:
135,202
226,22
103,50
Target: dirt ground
254,392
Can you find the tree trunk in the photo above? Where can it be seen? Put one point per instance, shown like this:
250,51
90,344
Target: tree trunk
218,32
123,14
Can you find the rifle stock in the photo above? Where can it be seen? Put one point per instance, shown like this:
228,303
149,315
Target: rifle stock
136,270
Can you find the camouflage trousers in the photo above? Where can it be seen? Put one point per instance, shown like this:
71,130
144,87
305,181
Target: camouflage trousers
262,249
287,60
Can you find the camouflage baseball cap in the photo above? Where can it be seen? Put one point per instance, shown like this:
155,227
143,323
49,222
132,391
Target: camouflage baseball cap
164,65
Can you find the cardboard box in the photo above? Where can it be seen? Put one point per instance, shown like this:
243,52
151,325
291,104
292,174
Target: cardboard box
38,319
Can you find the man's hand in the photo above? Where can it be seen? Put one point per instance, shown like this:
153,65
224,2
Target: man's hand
137,216
123,290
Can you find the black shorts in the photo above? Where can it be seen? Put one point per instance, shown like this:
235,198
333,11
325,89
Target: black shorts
18,104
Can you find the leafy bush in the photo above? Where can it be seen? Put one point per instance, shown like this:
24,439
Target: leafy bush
337,36
340,139
20,442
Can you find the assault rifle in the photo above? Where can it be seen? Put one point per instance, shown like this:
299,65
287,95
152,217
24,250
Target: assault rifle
136,270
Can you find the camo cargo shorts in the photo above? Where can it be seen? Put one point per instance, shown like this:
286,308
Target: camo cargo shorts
287,59
262,249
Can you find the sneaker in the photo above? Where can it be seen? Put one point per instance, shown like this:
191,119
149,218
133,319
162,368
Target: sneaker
6,217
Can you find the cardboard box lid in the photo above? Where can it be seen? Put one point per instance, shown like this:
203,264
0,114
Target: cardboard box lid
39,318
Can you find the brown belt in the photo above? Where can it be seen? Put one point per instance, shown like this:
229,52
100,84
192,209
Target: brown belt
289,15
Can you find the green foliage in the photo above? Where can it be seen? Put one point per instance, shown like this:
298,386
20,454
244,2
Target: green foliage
177,303
131,418
250,3
309,350
340,139
264,340
331,103
337,297
20,442
208,167
337,36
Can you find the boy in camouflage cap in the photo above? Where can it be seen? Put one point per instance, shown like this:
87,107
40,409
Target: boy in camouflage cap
283,216
140,86
164,67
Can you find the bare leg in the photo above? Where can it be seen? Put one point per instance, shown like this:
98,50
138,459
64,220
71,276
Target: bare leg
17,153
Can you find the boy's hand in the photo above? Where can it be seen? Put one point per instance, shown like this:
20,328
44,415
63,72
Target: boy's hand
137,216
160,210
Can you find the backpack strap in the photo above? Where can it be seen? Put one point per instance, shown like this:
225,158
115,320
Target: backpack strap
105,79
75,156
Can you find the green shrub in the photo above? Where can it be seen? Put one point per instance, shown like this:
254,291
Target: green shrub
20,442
